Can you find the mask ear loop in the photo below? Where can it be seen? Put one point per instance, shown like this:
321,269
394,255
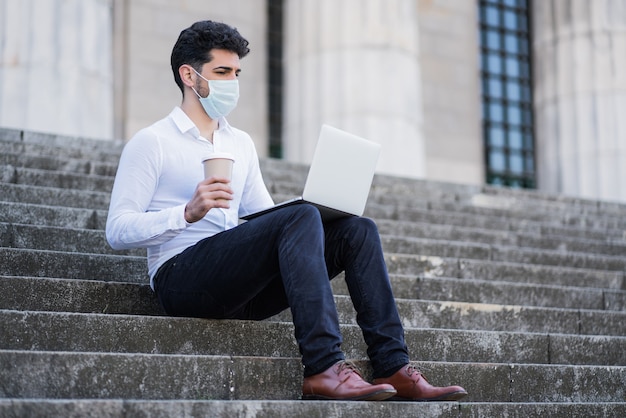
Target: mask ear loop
198,94
207,82
199,75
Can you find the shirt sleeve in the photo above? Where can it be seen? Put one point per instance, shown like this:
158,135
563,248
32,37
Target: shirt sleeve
129,223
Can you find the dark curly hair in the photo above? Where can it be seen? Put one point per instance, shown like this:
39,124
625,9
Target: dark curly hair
195,43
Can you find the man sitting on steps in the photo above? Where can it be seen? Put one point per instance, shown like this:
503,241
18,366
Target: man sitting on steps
203,264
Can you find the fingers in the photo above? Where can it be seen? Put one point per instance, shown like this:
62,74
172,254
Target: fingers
215,179
215,188
211,193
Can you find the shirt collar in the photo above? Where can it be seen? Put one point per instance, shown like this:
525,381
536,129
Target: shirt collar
184,124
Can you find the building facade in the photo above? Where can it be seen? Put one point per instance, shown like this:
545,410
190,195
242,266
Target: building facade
522,93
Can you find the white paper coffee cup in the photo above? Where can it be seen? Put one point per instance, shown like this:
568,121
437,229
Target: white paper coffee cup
219,164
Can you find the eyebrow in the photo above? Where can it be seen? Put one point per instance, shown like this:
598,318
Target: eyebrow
224,67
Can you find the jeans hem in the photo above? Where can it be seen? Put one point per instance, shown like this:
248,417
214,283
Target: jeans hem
311,371
391,368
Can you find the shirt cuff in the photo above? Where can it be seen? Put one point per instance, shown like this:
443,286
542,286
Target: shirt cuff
178,221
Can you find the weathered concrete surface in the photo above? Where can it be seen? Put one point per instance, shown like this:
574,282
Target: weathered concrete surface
518,296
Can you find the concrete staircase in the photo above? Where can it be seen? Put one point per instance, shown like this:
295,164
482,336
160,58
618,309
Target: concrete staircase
518,296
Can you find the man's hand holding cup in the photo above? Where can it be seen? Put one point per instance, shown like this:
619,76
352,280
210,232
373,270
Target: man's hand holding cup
214,191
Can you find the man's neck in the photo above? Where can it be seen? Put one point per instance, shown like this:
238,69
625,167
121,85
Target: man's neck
198,116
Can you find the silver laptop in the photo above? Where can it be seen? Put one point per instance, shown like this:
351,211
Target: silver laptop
340,175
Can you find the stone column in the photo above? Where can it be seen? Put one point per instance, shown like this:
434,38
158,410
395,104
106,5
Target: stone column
56,66
354,64
579,51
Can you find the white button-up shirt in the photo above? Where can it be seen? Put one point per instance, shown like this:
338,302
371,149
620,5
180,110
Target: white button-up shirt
158,172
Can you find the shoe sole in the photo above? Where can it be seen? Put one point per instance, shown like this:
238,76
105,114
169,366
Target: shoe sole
380,395
454,396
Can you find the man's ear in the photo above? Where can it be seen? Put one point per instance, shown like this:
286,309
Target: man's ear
186,75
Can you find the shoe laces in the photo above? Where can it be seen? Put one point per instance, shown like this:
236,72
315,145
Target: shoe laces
412,369
347,366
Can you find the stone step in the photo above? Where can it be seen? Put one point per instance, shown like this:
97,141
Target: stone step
415,273
500,238
63,375
430,269
42,263
89,296
24,262
530,220
91,150
76,295
88,240
95,219
432,247
601,229
39,143
421,266
542,409
39,214
565,216
492,196
501,223
58,163
511,271
99,199
55,179
61,197
291,179
54,216
503,196
17,235
426,199
503,291
497,317
37,237
557,258
16,212
506,293
98,408
78,332
26,142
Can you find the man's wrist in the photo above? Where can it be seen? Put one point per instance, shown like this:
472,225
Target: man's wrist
187,216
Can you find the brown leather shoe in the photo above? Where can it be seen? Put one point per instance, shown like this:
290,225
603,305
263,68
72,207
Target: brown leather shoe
343,381
412,386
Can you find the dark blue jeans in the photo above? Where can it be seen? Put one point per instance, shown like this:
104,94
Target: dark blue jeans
286,259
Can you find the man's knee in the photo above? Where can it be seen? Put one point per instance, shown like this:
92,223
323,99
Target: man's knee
305,212
363,226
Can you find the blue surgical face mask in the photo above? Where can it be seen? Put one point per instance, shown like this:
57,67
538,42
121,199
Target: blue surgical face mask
222,98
